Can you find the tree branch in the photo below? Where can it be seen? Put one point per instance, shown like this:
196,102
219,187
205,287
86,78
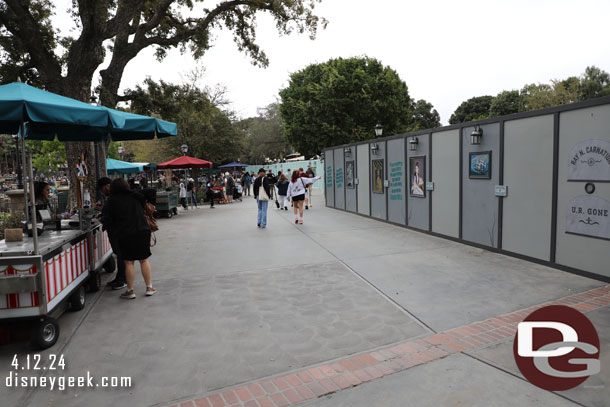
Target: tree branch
28,32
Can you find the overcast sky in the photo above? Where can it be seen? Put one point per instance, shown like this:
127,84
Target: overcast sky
445,50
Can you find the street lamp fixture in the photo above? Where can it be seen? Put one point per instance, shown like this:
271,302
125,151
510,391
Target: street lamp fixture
476,135
93,100
378,130
121,150
348,151
413,142
184,148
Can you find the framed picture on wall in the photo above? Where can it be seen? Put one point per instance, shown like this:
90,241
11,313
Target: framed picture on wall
417,177
480,165
377,176
349,174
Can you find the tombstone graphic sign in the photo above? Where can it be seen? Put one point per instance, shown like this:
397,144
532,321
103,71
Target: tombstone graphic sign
588,216
590,161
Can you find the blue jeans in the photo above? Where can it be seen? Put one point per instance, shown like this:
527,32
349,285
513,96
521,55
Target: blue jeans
262,212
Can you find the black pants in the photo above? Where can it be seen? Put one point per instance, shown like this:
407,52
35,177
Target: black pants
210,195
120,263
183,202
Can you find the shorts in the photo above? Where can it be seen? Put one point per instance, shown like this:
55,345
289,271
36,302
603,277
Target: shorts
298,198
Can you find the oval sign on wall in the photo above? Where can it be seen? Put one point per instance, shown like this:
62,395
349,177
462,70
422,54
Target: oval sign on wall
588,215
589,160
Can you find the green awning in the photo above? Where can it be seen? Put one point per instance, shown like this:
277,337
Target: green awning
49,115
122,167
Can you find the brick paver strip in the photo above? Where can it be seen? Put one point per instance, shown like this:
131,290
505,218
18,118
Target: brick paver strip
312,382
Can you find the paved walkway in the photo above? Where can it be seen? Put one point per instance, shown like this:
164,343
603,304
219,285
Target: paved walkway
341,311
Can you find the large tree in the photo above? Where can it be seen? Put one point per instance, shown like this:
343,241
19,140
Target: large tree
265,135
117,30
207,130
341,101
472,109
425,116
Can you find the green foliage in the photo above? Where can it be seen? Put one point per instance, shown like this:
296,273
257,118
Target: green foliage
424,116
264,135
593,83
113,150
341,101
475,108
48,155
10,221
507,102
207,130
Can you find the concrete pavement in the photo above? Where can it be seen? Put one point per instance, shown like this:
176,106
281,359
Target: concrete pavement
238,304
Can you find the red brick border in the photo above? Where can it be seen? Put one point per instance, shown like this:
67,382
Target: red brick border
313,382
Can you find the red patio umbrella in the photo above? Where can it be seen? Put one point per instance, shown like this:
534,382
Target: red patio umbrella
185,162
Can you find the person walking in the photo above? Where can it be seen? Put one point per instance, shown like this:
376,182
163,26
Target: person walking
126,214
229,187
262,193
209,191
297,190
183,195
247,181
282,191
119,282
192,191
310,174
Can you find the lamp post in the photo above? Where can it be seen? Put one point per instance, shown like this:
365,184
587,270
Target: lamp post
121,150
184,149
378,130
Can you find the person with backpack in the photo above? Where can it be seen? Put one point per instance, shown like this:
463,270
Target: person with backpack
296,191
282,191
262,193
229,187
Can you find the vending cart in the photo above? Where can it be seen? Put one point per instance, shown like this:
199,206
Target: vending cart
41,287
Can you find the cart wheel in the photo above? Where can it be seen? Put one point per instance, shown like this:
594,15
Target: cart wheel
45,333
95,281
169,214
110,265
77,299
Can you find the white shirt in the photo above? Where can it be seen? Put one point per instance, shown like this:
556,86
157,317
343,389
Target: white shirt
298,187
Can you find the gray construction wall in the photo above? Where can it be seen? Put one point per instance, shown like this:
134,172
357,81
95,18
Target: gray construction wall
528,174
418,209
553,165
479,203
446,177
378,201
339,179
581,252
396,174
329,174
363,189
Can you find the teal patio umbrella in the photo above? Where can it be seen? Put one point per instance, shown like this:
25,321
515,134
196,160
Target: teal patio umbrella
122,167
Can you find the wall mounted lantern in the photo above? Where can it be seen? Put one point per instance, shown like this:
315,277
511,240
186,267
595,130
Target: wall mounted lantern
322,156
374,148
413,143
347,151
476,135
378,130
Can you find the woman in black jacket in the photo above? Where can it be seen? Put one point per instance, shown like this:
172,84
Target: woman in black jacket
126,210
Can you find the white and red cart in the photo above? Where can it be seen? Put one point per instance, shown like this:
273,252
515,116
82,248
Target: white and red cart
41,287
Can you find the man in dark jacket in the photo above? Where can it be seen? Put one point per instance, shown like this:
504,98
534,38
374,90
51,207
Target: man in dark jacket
119,282
262,197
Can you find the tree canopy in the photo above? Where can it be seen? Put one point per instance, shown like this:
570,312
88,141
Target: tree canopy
593,83
341,101
207,130
264,135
